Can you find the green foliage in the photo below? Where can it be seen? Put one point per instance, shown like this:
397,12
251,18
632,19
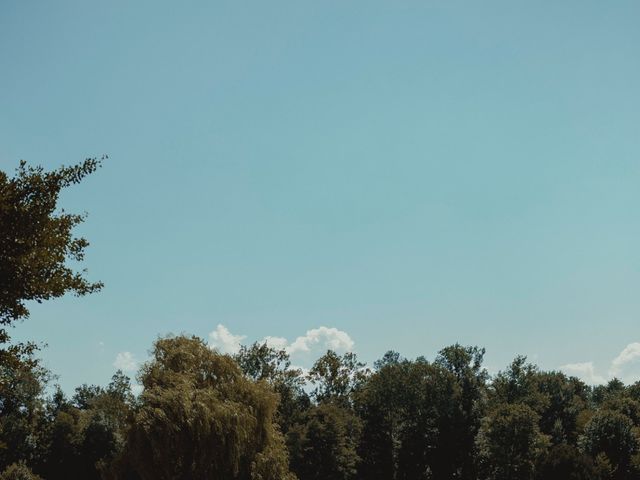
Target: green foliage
18,471
612,434
566,462
37,241
519,384
381,404
324,446
509,443
259,362
336,377
460,416
199,417
22,380
562,401
206,415
421,419
86,434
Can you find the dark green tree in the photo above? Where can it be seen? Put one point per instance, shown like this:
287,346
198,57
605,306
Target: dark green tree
519,383
22,382
86,433
612,434
336,377
324,446
564,400
381,404
460,415
566,462
510,443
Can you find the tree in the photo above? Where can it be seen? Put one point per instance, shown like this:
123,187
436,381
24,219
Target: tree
414,420
259,362
36,244
325,445
519,383
566,462
336,377
22,382
612,433
509,443
564,399
380,403
199,417
462,412
37,240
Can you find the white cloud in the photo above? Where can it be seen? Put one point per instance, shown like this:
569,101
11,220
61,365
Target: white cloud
584,371
126,362
630,354
316,340
620,367
327,338
279,343
224,341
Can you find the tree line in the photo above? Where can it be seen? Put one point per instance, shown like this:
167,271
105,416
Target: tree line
252,416
203,414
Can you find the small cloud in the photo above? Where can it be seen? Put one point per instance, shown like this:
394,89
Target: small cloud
126,362
585,371
224,341
329,338
630,355
623,365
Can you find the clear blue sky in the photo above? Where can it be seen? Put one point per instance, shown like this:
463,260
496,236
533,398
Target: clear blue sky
411,173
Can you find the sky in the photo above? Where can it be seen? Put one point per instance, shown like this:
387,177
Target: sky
362,175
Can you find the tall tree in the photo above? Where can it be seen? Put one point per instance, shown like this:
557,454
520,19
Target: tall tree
199,417
460,415
336,377
260,362
381,403
324,445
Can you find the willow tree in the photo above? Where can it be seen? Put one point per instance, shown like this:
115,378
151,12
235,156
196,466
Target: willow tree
199,417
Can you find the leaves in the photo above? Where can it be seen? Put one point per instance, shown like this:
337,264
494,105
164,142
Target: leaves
37,240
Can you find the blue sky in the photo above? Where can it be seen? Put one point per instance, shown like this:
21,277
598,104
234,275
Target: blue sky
404,174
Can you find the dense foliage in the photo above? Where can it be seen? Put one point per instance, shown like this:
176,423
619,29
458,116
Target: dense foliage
206,415
251,416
